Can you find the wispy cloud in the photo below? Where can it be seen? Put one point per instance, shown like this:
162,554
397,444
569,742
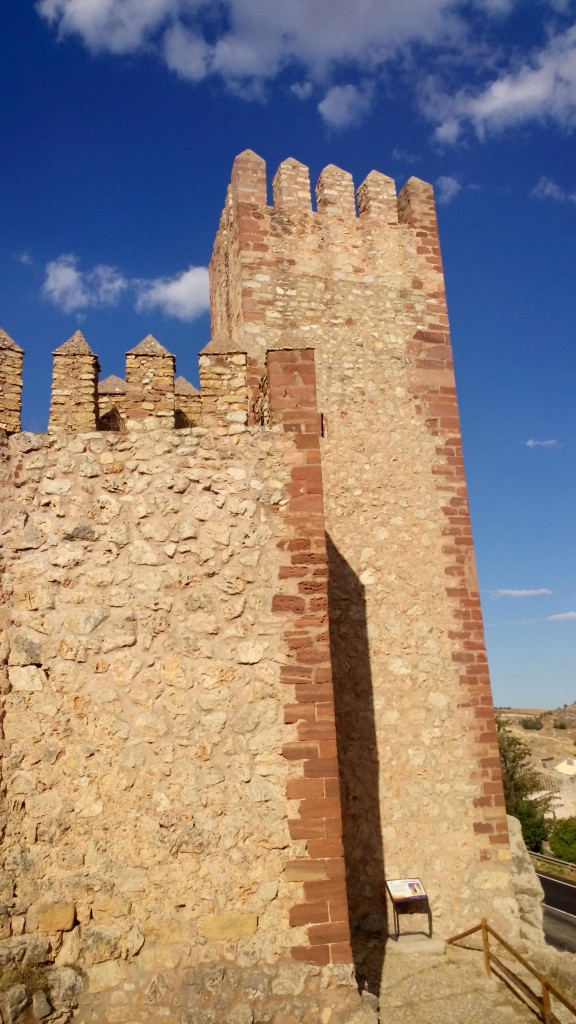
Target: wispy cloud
185,296
249,43
447,188
71,289
504,592
251,39
546,188
559,617
548,443
404,155
303,90
542,88
345,105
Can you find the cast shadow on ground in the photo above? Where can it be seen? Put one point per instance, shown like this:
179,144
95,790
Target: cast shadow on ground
358,763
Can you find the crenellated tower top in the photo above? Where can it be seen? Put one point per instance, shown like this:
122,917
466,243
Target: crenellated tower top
269,260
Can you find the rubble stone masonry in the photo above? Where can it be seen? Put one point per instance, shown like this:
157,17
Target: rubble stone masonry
10,382
242,663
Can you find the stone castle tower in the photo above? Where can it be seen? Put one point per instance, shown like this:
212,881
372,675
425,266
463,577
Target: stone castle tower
244,673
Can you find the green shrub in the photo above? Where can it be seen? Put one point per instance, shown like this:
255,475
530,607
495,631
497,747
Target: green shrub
532,723
559,724
534,825
563,839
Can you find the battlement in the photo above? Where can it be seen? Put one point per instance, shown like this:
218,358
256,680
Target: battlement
150,397
270,259
334,192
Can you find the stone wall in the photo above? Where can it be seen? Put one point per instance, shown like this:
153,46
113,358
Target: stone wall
363,285
169,746
144,696
242,664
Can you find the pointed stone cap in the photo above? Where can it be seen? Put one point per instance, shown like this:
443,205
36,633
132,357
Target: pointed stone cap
75,346
291,185
149,347
249,177
112,386
7,342
184,387
335,192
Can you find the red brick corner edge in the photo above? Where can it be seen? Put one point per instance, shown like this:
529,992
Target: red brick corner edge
302,599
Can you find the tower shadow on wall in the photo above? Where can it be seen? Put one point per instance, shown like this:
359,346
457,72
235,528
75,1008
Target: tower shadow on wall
358,763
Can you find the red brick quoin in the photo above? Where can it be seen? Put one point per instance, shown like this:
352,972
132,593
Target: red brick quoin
302,599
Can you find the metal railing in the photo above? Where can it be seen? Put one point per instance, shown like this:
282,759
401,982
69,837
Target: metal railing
493,965
553,860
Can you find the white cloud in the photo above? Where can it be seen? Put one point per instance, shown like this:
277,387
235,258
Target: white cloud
186,53
69,288
503,592
533,443
257,37
303,90
548,189
247,43
563,617
542,88
184,297
447,188
344,105
118,26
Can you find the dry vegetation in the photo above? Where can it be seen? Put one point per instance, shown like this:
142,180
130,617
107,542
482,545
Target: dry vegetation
553,742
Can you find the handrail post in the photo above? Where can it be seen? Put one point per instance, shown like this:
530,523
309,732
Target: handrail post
486,946
546,1002
543,1002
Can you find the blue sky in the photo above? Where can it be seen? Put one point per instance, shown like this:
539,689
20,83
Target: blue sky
119,122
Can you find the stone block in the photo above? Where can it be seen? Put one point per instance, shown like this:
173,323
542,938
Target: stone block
105,908
220,927
105,976
70,949
51,917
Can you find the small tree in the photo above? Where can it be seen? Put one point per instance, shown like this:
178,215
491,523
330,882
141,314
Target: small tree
563,839
532,723
522,788
534,825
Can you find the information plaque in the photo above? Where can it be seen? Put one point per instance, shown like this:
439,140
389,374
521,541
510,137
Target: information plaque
408,896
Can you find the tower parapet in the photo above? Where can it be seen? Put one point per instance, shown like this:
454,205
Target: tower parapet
150,397
74,387
10,383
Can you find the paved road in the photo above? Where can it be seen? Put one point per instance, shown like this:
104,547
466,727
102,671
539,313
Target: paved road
559,913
